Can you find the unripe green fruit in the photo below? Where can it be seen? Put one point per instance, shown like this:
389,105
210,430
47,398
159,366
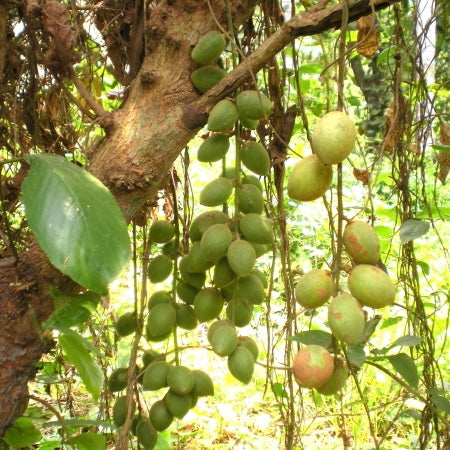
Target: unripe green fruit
314,288
248,123
186,317
203,385
118,380
223,274
362,243
146,434
120,411
160,416
309,179
216,192
204,221
216,324
186,292
162,231
256,228
208,304
126,324
224,340
155,375
214,148
253,105
156,338
255,157
346,319
209,47
337,380
171,249
313,366
194,279
250,288
159,268
180,380
250,199
260,249
223,116
152,355
196,261
262,277
206,77
249,344
215,242
239,312
241,364
241,257
161,319
334,137
178,405
252,179
159,297
371,286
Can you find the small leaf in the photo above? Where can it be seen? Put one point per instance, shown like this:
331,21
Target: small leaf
310,68
407,341
85,365
441,147
370,326
314,337
89,441
441,403
76,221
279,391
406,368
413,229
390,322
356,355
22,434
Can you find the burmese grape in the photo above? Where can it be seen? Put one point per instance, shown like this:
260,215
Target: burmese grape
361,242
314,288
313,366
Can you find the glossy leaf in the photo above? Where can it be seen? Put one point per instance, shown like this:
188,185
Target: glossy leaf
86,366
412,229
76,221
406,368
22,434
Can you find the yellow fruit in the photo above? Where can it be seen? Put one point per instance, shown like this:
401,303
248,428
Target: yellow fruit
255,157
253,105
206,77
313,366
314,288
209,47
362,243
214,148
216,192
223,116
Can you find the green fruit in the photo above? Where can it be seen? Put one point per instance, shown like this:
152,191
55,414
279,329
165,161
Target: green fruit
178,405
337,380
120,411
223,274
155,375
256,228
159,268
160,416
208,304
209,47
313,366
156,338
216,192
334,137
223,116
224,340
216,324
206,77
214,148
180,380
241,257
151,355
262,277
205,220
161,319
162,231
215,242
250,345
118,380
126,324
346,319
239,312
146,434
260,249
170,249
186,292
250,199
159,297
248,123
309,179
186,317
194,279
255,157
203,384
314,288
253,105
136,419
196,261
371,286
362,243
241,364
252,179
250,288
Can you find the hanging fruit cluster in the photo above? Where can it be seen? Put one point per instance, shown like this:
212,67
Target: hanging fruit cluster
313,366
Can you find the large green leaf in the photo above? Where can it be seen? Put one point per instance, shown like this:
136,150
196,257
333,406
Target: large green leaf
314,337
406,367
76,221
77,354
22,434
412,229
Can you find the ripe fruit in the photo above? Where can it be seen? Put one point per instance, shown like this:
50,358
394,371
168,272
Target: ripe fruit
126,324
371,286
255,157
206,77
178,405
362,243
159,268
180,380
241,257
205,220
309,179
241,364
159,415
216,192
334,137
337,380
162,231
209,47
250,199
224,340
118,380
313,366
253,105
256,228
314,288
223,116
208,304
346,319
161,319
214,148
215,242
155,375
203,384
146,434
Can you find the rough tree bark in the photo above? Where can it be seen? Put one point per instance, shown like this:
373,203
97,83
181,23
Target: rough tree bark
161,114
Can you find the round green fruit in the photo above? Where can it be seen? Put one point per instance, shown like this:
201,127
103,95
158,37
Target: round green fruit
120,411
337,380
250,344
250,199
208,304
216,324
309,179
146,434
214,148
180,380
186,292
155,375
194,279
160,416
186,317
313,366
203,221
362,243
223,116
223,274
161,319
159,297
203,385
253,105
196,261
255,157
256,228
159,268
239,312
314,288
206,77
209,47
118,380
216,192
162,231
224,340
126,324
215,242
178,405
252,179
241,364
241,257
250,288
151,355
